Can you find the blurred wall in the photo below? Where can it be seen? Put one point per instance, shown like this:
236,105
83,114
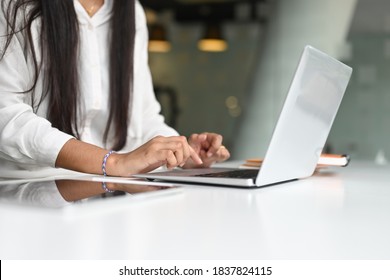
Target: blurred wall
204,81
362,127
258,67
323,24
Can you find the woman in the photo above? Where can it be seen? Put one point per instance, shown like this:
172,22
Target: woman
75,84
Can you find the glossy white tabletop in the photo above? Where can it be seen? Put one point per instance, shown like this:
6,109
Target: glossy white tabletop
341,213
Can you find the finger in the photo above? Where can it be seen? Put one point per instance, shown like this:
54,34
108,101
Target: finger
194,142
180,151
195,157
170,158
169,143
186,151
215,141
178,145
202,154
202,137
223,154
204,141
179,154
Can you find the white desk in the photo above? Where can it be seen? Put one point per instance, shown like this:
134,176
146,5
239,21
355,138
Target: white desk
339,215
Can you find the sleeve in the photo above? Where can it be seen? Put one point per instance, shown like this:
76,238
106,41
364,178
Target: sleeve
153,121
24,136
44,194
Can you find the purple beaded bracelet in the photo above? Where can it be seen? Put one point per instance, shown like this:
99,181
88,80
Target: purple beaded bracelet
104,186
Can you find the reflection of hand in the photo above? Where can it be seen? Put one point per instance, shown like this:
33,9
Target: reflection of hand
170,151
135,188
209,148
74,190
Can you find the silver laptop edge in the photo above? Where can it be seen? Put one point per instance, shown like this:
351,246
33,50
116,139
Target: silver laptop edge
304,123
187,176
302,129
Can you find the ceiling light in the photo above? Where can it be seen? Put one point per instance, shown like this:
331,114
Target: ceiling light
158,41
213,40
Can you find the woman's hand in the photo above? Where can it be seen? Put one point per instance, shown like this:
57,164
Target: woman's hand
209,148
170,151
201,150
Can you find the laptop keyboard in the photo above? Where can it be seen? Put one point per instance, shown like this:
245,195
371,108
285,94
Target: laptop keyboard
241,173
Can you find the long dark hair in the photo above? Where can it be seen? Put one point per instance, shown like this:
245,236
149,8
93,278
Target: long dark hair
59,43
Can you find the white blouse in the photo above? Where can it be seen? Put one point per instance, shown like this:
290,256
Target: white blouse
29,145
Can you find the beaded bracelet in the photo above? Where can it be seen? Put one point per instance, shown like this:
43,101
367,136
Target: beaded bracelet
104,186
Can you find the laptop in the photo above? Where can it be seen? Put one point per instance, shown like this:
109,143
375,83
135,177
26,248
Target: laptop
300,134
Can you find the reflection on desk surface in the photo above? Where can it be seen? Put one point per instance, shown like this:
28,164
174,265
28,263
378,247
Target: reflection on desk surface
339,213
61,193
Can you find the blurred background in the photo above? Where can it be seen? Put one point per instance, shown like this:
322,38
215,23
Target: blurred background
225,66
